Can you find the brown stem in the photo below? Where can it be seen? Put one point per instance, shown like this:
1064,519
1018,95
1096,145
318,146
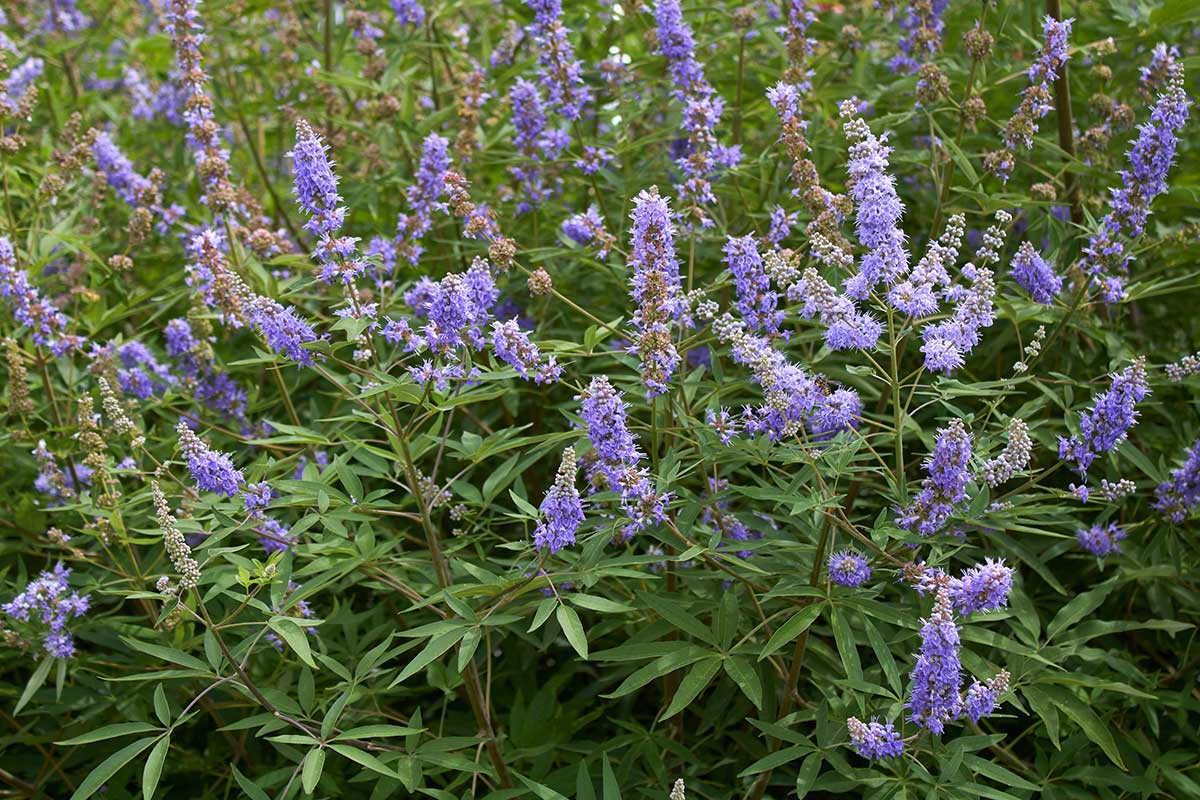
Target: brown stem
1066,127
944,195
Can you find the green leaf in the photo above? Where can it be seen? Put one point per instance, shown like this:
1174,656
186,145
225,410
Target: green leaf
583,783
109,766
166,654
693,684
807,775
1080,606
1081,714
1044,708
109,732
745,675
883,655
162,709
791,629
543,792
310,773
376,732
844,638
682,656
776,759
154,765
297,638
727,620
572,629
365,759
998,773
212,651
436,647
466,650
251,789
611,790
35,682
673,613
544,610
305,689
595,603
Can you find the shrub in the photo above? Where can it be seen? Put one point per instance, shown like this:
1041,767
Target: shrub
544,399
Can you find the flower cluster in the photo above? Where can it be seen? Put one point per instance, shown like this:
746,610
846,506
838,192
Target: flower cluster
655,289
47,325
1107,423
921,34
877,206
1013,459
936,696
947,343
1036,100
424,197
1034,275
512,346
1101,540
284,330
587,227
946,485
49,604
616,461
792,398
1188,365
1176,497
559,71
212,470
916,295
756,301
562,510
1105,259
317,194
874,740
846,328
700,155
826,209
537,141
174,542
186,29
848,568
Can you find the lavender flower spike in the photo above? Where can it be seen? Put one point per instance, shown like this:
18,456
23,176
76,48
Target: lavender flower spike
1176,497
49,603
560,72
1036,276
878,206
316,185
946,485
1109,420
848,568
562,511
934,698
982,698
756,301
982,588
1101,540
656,290
213,470
874,740
1105,259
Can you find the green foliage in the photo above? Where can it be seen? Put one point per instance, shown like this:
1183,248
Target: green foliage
412,640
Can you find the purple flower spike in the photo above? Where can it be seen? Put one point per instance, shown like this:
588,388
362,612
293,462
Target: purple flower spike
874,740
562,511
848,568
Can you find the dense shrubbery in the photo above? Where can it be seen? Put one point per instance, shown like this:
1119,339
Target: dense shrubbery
503,399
